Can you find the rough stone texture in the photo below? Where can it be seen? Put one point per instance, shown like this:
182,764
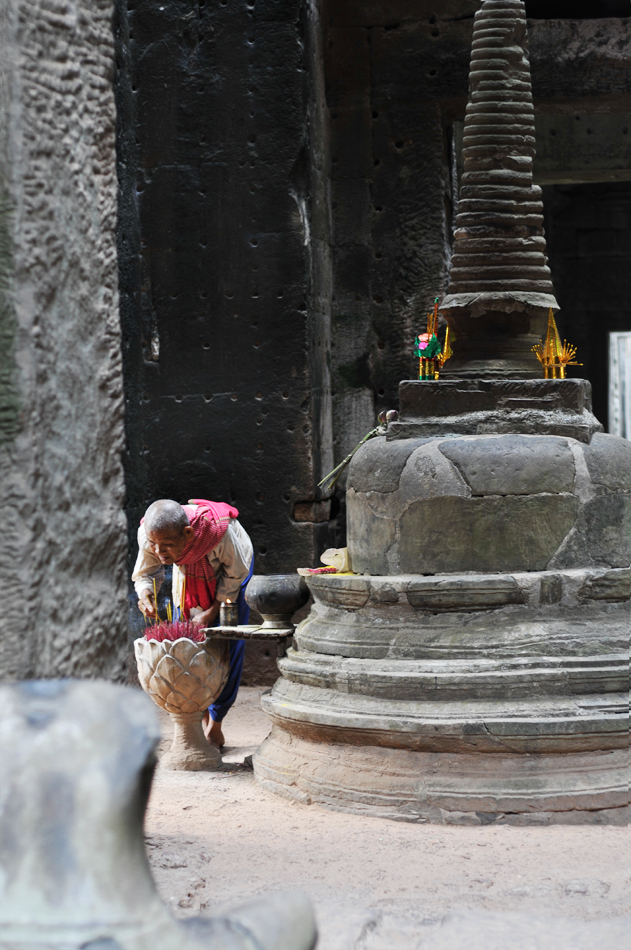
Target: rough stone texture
499,283
514,465
474,406
609,463
77,764
62,562
454,679
384,782
378,466
496,618
487,503
484,534
601,535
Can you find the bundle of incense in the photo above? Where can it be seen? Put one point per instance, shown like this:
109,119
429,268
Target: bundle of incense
175,631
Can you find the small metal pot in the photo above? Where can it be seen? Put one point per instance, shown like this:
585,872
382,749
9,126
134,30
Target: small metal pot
277,597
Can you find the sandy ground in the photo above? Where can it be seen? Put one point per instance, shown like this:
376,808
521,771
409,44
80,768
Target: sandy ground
217,838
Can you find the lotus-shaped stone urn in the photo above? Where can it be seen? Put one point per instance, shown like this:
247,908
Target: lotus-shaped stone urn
184,677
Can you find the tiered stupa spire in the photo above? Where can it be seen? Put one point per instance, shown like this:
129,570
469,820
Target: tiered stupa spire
500,288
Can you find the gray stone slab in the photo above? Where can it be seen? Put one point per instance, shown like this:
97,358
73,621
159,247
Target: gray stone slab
513,464
479,406
608,459
345,592
484,534
602,534
464,593
450,397
377,466
372,536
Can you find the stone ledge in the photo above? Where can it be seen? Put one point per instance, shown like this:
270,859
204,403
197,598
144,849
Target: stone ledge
469,593
472,591
560,407
454,680
414,786
547,724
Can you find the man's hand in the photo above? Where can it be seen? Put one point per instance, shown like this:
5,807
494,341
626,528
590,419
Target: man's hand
146,603
208,617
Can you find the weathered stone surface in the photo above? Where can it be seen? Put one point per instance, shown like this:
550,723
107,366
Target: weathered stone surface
372,536
376,467
601,535
513,465
385,782
529,625
551,589
416,527
428,474
464,593
614,586
478,406
609,462
346,592
484,534
77,760
499,262
62,557
514,685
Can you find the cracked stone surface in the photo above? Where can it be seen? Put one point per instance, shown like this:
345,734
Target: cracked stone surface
489,503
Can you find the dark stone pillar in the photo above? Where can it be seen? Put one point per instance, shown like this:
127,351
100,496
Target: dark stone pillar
225,283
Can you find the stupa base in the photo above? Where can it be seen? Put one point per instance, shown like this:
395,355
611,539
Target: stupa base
446,788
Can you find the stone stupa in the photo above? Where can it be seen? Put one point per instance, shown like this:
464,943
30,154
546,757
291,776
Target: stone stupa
476,668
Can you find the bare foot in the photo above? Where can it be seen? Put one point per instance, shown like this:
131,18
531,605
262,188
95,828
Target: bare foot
212,731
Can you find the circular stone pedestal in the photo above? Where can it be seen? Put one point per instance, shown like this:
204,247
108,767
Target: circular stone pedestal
478,670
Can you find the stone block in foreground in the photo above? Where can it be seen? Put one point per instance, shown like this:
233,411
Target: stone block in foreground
77,761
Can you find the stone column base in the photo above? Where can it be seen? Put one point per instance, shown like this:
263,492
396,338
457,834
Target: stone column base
443,788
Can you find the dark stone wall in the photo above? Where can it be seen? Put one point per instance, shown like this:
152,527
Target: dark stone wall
223,244
588,229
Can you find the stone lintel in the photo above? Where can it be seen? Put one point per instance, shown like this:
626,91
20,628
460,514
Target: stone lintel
486,406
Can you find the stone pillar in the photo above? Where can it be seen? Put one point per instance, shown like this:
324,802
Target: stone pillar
500,289
62,553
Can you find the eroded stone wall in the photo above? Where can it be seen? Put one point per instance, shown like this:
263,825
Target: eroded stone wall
62,552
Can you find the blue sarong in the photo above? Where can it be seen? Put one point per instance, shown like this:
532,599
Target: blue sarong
227,696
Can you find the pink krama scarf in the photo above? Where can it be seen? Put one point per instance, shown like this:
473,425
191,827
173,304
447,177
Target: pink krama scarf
210,520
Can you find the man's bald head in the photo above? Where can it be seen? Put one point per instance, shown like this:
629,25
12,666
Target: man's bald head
168,530
166,517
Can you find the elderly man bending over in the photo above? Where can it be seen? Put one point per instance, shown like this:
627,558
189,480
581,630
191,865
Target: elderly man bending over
212,560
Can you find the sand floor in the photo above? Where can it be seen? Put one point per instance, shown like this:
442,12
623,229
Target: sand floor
217,838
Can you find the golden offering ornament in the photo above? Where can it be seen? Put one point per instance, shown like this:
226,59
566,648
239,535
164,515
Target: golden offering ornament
552,356
427,348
